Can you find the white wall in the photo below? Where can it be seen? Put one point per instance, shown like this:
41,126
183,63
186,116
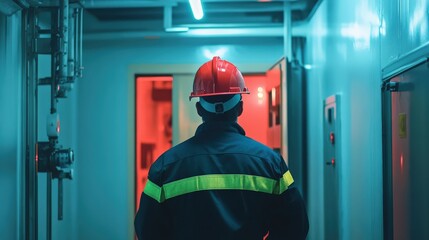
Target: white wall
345,60
348,44
406,28
11,132
105,117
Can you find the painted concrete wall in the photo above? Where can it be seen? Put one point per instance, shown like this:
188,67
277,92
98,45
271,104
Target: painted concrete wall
348,44
11,132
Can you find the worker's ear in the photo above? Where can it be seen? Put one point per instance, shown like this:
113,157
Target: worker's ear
199,108
240,108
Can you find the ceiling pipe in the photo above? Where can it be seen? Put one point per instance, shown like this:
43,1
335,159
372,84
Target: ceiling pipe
232,25
127,4
255,7
277,31
168,16
168,19
298,28
287,27
295,5
192,33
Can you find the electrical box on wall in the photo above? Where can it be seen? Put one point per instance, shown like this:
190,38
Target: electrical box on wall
331,163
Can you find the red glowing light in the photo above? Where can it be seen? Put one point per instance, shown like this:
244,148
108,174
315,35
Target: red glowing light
266,235
332,137
273,97
58,126
333,161
36,157
401,161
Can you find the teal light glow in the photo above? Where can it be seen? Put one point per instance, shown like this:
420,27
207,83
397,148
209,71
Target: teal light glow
217,51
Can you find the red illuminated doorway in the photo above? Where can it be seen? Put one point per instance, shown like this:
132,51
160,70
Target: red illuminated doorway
261,115
254,119
153,105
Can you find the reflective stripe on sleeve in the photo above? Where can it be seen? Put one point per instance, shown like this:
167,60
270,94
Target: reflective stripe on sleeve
285,181
218,182
153,191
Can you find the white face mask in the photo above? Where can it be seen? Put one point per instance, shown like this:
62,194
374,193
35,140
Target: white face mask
220,107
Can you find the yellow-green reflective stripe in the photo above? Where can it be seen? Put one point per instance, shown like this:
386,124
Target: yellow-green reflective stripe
218,182
285,181
153,191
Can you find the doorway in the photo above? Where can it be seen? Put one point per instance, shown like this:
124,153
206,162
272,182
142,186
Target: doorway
254,119
153,112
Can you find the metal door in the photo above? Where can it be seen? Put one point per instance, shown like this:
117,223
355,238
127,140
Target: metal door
331,161
406,154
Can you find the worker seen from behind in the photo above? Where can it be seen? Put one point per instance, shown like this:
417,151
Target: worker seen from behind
220,184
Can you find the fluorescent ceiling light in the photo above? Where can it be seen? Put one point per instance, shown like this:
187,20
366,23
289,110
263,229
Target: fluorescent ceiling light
224,32
197,9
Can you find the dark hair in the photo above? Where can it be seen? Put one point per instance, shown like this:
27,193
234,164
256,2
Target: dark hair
230,115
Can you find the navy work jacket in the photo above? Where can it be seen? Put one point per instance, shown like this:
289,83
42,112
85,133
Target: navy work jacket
220,184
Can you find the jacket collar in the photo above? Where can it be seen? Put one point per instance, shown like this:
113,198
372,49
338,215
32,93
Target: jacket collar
216,127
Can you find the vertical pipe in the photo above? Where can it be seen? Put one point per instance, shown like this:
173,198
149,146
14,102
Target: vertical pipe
80,41
287,39
167,17
76,40
54,61
62,78
71,46
29,34
55,52
60,198
63,40
48,205
287,35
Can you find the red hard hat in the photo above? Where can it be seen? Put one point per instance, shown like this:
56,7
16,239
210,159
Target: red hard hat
218,77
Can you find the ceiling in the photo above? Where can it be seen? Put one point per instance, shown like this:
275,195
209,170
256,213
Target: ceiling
167,18
119,19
